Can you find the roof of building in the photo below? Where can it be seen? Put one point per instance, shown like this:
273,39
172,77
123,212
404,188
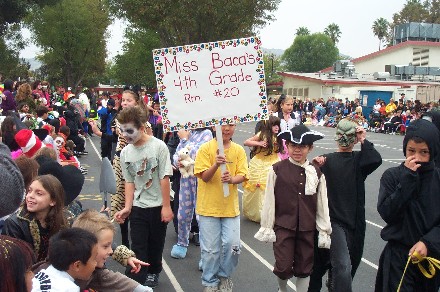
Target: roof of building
362,79
388,50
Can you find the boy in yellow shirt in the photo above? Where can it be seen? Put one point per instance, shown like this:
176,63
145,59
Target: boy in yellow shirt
219,216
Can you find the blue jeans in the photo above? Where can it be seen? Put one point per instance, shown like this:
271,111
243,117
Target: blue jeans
220,245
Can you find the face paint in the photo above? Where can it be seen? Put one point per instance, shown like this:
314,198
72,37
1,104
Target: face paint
60,142
130,133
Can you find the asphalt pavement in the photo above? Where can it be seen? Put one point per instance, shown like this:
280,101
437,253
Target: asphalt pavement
254,272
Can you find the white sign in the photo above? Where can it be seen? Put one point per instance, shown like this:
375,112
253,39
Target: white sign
211,83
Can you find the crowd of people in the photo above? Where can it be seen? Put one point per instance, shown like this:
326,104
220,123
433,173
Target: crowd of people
311,208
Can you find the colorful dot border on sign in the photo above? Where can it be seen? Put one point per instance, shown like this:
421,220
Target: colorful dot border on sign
250,41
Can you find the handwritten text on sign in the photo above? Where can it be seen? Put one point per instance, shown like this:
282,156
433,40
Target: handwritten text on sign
212,83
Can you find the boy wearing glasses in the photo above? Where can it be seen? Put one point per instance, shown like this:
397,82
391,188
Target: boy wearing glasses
295,206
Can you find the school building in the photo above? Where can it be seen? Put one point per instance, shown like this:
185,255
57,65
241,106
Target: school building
411,67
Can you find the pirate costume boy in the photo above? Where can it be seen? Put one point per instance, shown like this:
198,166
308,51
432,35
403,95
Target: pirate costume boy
295,206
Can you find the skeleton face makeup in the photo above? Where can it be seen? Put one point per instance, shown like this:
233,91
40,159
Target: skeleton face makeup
59,141
130,133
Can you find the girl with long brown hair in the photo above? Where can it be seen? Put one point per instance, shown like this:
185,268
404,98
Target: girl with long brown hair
41,215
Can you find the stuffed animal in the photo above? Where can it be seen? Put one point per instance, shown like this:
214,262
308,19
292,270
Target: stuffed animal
187,162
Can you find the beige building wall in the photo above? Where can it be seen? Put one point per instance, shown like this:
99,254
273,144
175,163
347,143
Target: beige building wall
404,56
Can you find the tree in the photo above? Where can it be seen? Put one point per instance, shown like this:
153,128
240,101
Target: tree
73,44
12,66
13,11
333,32
272,64
310,53
11,43
413,11
434,12
302,30
135,65
196,21
380,29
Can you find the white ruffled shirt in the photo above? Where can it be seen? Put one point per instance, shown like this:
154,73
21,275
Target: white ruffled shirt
313,185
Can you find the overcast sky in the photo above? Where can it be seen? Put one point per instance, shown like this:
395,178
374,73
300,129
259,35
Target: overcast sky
354,17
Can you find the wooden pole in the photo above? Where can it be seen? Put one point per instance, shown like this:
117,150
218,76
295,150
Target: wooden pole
221,151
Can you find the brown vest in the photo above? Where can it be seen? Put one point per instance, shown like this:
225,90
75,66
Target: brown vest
293,209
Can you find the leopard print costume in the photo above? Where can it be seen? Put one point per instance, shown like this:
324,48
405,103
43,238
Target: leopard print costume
118,199
122,254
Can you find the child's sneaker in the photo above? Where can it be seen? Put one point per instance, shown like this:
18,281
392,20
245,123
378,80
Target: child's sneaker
225,285
179,252
152,280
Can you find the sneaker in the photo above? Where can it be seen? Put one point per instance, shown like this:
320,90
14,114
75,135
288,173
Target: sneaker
210,289
196,239
179,252
225,285
152,280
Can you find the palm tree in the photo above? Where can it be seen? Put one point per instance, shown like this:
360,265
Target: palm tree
302,31
380,29
333,32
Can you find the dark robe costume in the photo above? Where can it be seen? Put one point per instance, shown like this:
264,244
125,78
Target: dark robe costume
408,202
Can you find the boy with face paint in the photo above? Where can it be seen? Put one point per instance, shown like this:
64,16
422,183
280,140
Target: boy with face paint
146,168
345,171
408,202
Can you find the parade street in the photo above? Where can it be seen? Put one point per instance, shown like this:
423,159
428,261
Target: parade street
254,272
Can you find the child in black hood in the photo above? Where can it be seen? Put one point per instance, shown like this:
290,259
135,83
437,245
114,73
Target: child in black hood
409,197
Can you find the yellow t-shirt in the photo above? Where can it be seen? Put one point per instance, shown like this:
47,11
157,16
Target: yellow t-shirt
210,199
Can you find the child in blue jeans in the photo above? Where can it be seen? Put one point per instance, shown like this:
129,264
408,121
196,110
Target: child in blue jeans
219,216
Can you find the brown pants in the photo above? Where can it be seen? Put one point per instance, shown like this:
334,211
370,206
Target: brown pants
293,252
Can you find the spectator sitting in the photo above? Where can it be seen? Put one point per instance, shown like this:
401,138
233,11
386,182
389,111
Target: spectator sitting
391,106
8,131
391,125
16,260
72,254
72,121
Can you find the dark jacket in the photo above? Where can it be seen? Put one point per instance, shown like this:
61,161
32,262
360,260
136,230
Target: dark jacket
72,121
23,226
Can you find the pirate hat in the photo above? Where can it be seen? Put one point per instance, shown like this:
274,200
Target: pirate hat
301,135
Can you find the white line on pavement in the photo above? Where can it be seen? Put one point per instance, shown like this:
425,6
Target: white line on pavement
370,263
374,224
171,276
166,268
264,262
94,147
